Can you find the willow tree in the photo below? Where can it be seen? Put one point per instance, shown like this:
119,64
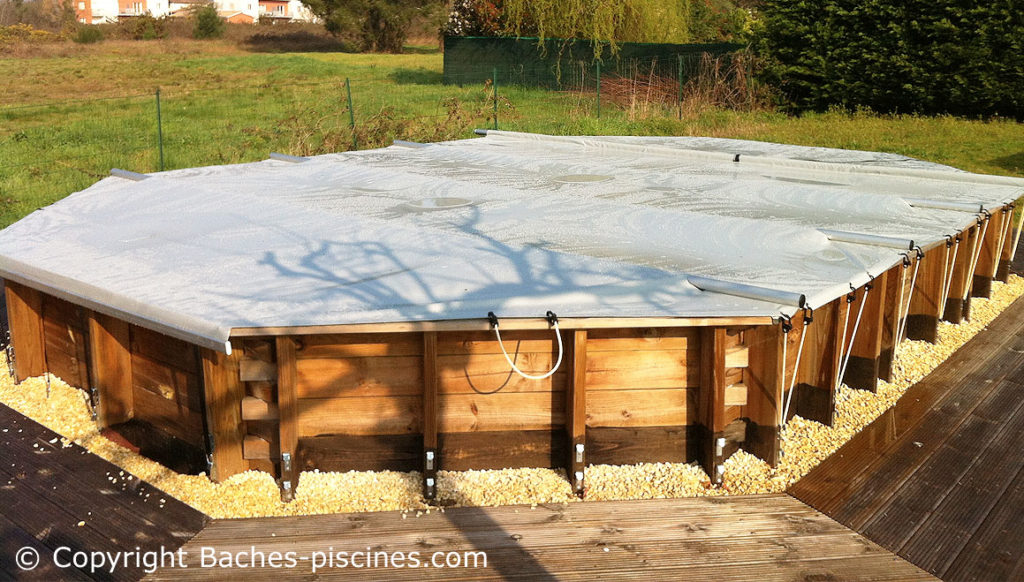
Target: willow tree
606,23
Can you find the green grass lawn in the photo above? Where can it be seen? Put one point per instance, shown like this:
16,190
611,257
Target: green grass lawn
67,117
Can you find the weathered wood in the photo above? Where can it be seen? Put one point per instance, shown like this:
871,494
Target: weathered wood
359,377
25,318
430,415
711,399
814,398
463,451
926,303
65,343
287,404
164,349
890,321
331,346
110,368
178,386
361,453
257,371
641,339
645,444
360,416
223,393
862,369
635,408
613,370
511,324
988,256
763,378
168,415
502,412
954,309
256,409
485,373
257,448
576,410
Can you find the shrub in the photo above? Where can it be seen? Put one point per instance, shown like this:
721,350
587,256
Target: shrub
208,24
143,27
916,56
87,35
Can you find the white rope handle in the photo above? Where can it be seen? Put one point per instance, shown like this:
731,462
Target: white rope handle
952,271
977,254
910,298
842,338
561,350
796,370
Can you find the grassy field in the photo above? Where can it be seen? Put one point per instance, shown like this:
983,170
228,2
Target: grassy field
68,113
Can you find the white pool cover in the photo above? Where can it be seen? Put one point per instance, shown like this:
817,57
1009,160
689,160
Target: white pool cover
518,224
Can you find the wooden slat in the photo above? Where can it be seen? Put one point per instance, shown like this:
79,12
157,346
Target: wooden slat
862,369
257,409
359,377
735,395
287,404
763,378
819,366
737,357
469,343
491,372
25,318
481,324
179,386
1009,243
711,399
926,303
615,370
358,345
480,450
110,367
954,309
257,371
642,444
890,322
168,415
360,416
430,461
639,339
636,408
576,409
164,349
502,412
361,453
988,257
254,448
223,393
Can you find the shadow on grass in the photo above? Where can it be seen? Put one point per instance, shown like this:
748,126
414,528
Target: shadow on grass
1011,163
418,49
405,76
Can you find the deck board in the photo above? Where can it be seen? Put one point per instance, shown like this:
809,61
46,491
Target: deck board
53,496
768,537
942,487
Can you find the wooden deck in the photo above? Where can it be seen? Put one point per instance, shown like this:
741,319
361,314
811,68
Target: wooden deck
773,537
939,479
53,496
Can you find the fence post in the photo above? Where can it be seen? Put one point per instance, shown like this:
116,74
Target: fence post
494,85
159,130
351,114
679,82
599,89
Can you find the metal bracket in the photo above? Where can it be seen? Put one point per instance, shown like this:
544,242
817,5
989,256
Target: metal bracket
94,401
287,493
492,319
551,317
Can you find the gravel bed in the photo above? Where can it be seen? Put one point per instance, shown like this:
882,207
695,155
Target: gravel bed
254,494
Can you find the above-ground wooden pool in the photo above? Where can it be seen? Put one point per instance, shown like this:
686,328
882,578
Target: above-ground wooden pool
663,299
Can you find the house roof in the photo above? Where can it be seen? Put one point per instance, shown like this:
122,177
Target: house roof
517,224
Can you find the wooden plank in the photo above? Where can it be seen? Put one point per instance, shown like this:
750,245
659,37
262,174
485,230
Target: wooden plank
641,339
481,324
615,370
168,415
256,409
471,343
501,412
636,408
359,377
64,337
110,368
254,448
179,386
926,303
953,312
25,318
360,416
890,321
988,257
819,367
287,404
360,453
257,371
763,378
223,393
263,390
642,444
711,402
576,410
431,412
862,368
735,395
464,451
486,373
1009,244
331,346
167,350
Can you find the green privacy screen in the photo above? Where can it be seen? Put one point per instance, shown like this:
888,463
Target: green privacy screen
564,64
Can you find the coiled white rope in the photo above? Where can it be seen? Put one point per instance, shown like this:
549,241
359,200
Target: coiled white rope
561,350
796,369
853,336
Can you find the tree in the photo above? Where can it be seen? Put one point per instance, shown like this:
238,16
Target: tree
208,24
924,56
377,25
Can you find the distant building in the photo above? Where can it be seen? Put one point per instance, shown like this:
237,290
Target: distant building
240,11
